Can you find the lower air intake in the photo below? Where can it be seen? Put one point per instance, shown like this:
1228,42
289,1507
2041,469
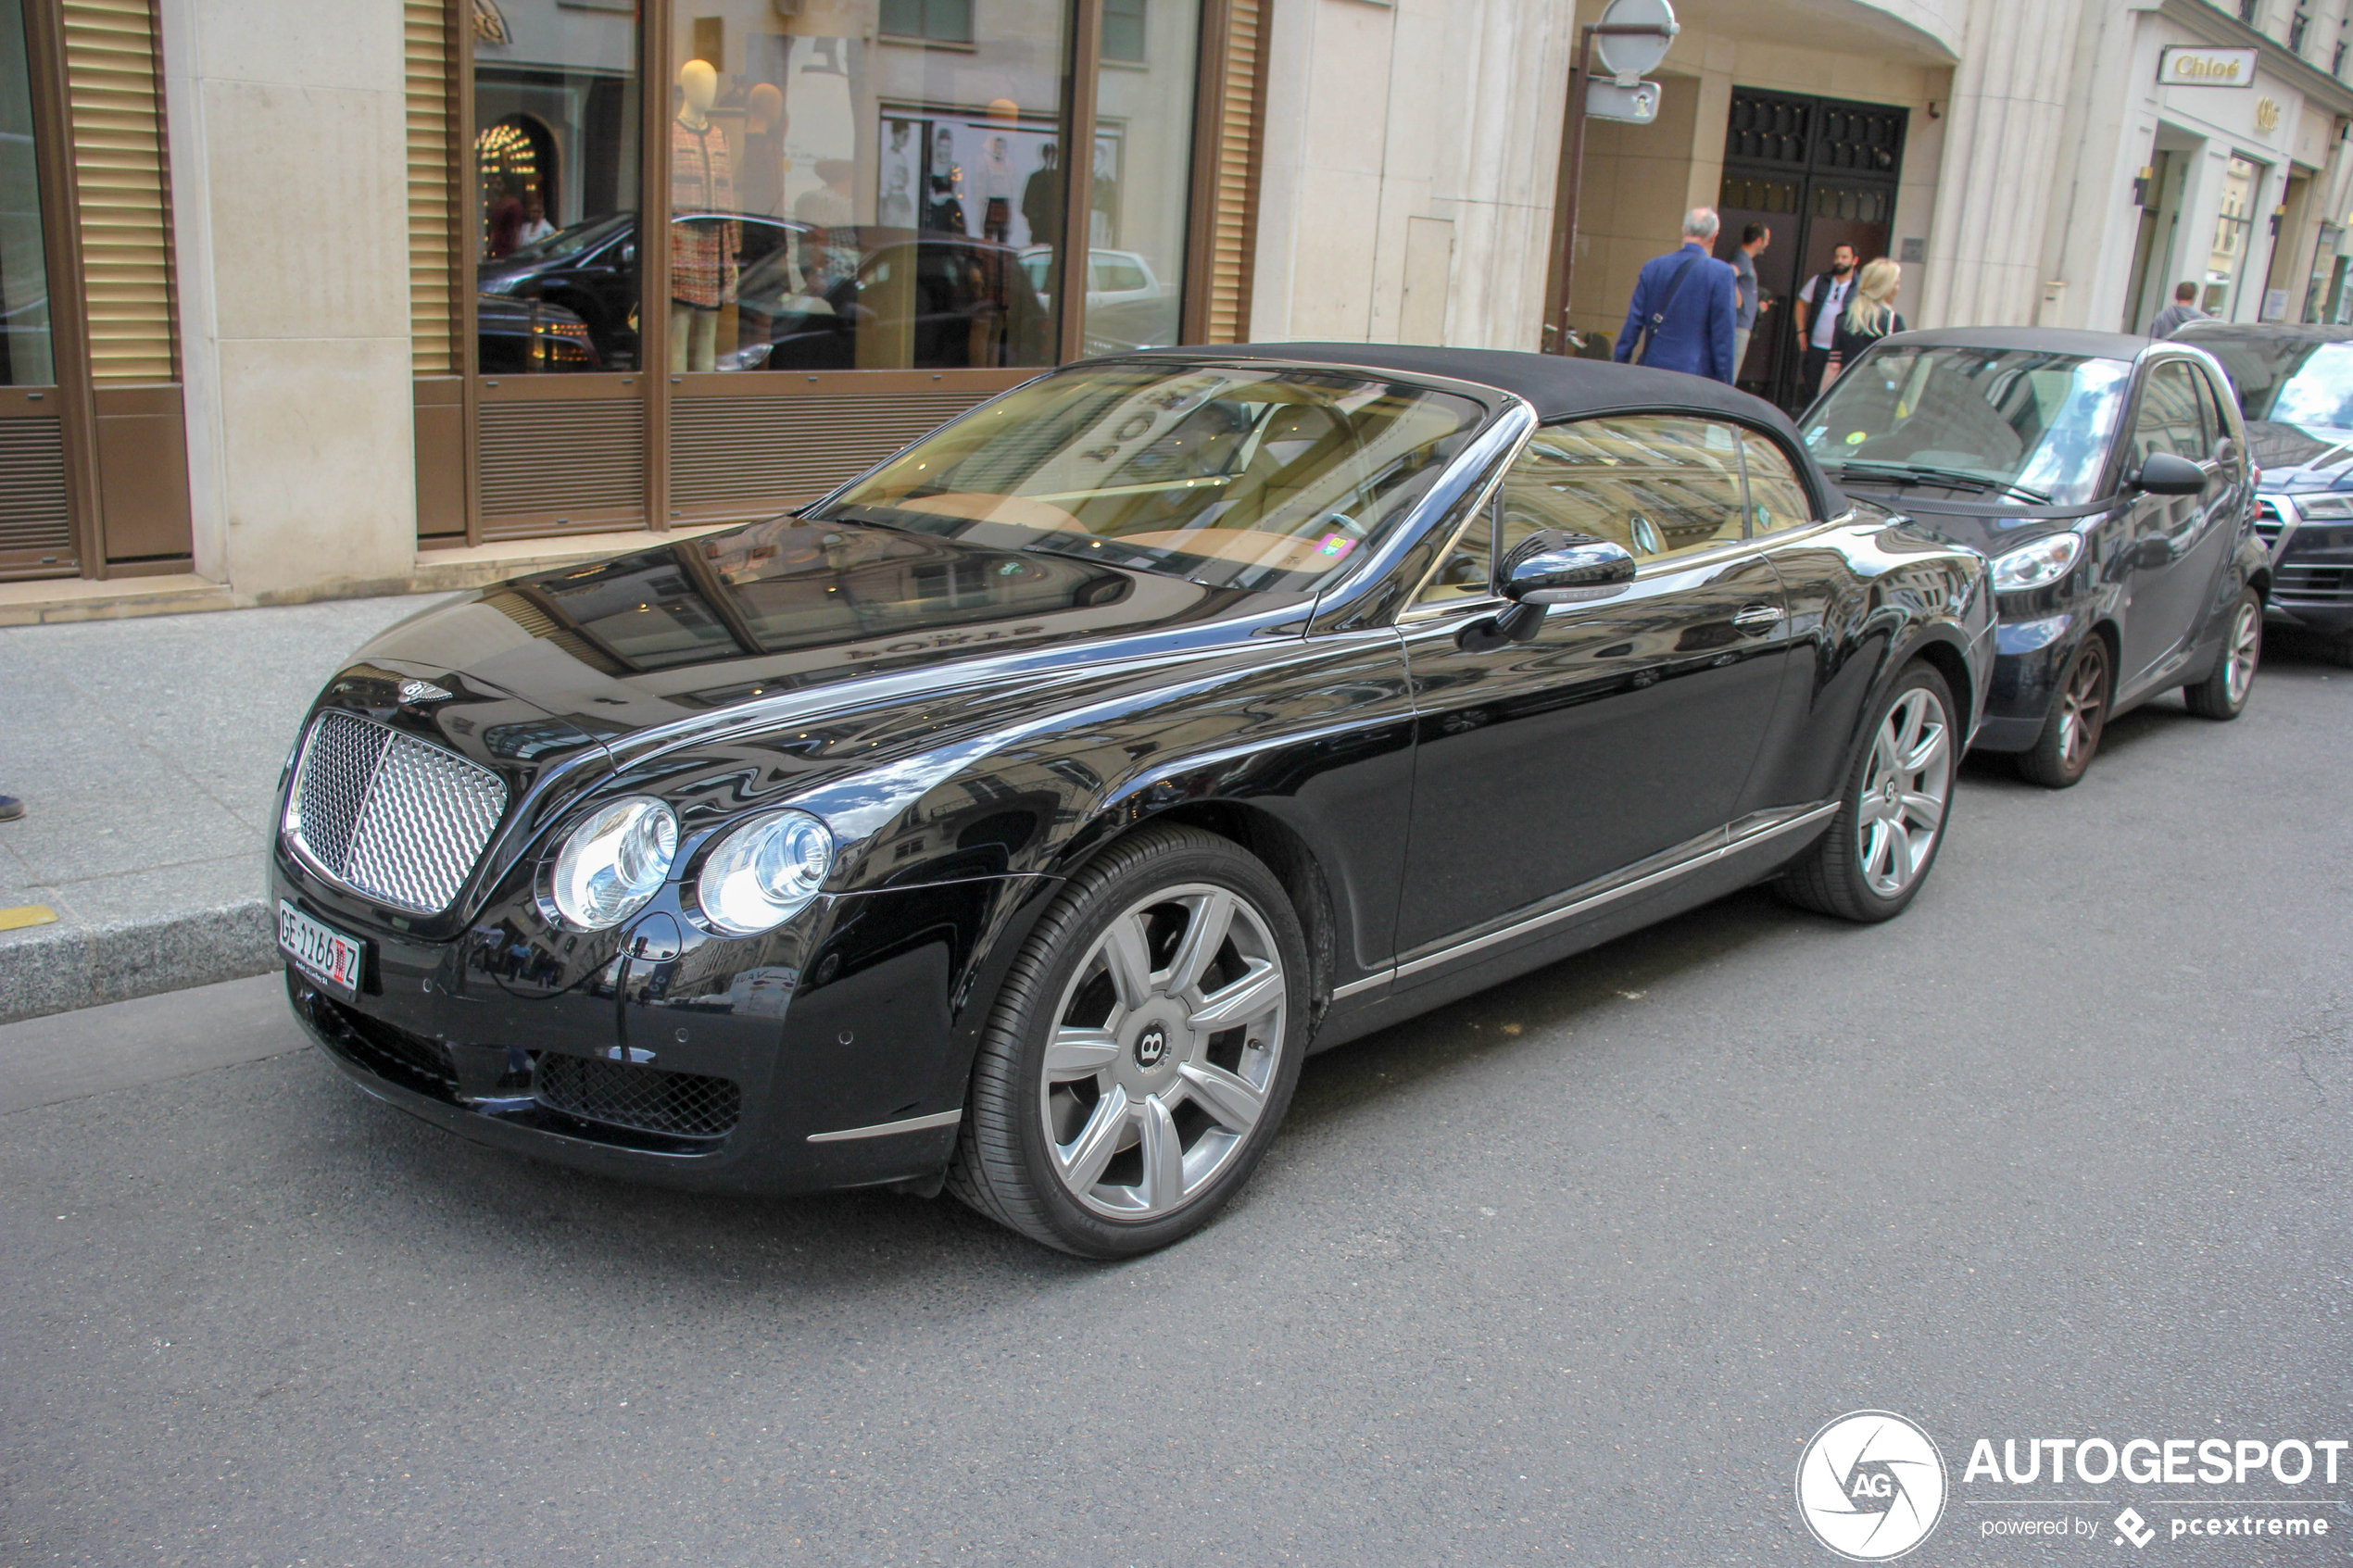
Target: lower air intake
648,1100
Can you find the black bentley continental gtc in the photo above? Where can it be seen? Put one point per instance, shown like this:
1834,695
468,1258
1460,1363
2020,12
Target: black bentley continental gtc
1020,815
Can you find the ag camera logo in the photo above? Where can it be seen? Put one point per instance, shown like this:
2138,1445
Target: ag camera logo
1870,1486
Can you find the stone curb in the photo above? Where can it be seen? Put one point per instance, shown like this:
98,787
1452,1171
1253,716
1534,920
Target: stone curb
60,968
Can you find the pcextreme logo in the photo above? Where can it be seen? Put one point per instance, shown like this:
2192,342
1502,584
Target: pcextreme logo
1870,1486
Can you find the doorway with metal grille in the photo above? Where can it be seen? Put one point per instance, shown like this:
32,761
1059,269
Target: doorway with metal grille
1819,172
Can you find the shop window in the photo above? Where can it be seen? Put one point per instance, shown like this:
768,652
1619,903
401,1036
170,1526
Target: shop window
1139,198
763,199
807,237
556,179
24,284
2232,224
936,21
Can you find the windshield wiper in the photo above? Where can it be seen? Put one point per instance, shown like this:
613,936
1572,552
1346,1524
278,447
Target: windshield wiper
1913,473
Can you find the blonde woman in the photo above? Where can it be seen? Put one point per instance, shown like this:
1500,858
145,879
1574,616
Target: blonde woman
1870,315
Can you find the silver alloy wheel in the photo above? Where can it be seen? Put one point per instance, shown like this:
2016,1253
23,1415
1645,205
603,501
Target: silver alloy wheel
1166,1043
1906,786
2246,649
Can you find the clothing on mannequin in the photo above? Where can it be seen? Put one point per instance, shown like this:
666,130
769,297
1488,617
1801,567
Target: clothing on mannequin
702,250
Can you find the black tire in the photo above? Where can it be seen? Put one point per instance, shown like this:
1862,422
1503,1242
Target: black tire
1836,876
2223,694
2075,720
2340,653
1005,1165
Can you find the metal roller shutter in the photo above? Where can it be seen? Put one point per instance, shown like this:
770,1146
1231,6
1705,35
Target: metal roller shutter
122,188
750,457
1234,226
562,466
431,246
36,533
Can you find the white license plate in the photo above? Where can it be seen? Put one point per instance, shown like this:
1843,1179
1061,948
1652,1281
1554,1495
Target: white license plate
324,954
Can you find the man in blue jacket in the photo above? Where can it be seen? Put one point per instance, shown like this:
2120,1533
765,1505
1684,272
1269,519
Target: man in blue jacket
1686,299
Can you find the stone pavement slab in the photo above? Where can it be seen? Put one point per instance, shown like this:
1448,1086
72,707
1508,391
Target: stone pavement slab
147,754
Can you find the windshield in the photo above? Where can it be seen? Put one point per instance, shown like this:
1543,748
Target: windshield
2294,380
1228,475
2022,424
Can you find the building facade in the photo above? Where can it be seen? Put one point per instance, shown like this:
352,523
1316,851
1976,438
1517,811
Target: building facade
302,300
2209,147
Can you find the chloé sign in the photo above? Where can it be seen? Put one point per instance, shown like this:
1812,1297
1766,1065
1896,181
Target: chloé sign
2206,67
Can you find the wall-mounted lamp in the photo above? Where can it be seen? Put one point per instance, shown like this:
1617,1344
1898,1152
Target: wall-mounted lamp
2141,184
1933,112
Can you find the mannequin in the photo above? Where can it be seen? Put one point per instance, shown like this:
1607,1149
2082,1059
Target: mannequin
702,250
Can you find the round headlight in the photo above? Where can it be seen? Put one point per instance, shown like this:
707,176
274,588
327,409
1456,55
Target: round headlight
2033,566
765,873
611,864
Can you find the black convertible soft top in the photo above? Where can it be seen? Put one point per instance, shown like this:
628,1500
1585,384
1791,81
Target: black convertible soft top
1557,386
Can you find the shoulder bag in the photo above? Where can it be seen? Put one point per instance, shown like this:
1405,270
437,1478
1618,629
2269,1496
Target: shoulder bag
1658,316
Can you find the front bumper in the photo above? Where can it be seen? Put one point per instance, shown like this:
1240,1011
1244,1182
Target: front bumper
2031,658
2312,566
830,1053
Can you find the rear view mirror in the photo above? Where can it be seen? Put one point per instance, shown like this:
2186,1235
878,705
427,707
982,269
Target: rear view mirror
2163,474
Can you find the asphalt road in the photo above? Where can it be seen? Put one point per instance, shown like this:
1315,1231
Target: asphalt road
1567,1275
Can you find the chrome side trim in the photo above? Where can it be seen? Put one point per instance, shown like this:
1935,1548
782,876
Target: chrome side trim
1758,826
1357,987
1751,831
884,1129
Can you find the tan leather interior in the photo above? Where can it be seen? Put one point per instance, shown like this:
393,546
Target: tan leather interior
1016,511
1247,545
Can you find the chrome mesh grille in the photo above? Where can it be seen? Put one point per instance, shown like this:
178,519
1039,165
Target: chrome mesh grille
388,815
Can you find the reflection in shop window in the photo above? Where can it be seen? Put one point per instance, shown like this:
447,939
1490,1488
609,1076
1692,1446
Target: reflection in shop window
24,286
1123,30
556,171
1143,173
840,203
2232,225
940,21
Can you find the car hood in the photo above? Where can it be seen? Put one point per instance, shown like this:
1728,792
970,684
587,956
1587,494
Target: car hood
2295,456
1969,520
774,622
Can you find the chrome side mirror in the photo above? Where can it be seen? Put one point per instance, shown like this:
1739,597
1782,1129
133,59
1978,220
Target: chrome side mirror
1550,568
1579,569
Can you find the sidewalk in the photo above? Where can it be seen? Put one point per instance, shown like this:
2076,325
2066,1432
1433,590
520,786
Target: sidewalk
147,752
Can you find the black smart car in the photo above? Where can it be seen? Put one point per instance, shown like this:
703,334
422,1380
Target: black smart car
1019,816
2108,479
2294,386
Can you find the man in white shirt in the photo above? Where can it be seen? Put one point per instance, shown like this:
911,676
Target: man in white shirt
1820,305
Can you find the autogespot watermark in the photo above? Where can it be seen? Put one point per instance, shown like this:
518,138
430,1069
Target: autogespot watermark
1872,1485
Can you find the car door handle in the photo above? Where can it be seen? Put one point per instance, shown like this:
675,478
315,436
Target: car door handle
1758,618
